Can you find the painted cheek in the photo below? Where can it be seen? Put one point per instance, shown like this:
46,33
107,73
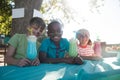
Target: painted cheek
36,33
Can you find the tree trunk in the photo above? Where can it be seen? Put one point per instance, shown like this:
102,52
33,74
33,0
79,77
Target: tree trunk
19,24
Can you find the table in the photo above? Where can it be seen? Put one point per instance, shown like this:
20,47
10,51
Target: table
106,69
3,50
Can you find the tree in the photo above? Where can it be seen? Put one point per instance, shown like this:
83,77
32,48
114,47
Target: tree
5,17
66,13
19,24
48,8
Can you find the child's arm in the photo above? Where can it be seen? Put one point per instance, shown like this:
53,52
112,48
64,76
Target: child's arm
44,59
69,60
91,57
9,59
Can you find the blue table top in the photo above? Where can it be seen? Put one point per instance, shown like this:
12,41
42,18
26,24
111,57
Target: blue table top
108,68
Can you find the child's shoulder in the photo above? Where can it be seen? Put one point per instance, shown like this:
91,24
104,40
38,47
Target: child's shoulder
46,40
64,40
19,35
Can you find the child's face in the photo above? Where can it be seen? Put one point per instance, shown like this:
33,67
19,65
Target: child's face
83,39
37,31
55,32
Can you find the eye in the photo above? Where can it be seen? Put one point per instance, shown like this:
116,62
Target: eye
35,27
41,30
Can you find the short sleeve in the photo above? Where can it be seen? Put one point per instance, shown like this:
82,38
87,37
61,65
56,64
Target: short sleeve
14,40
44,46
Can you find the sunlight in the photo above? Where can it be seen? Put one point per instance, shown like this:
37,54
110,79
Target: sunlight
99,68
54,75
79,5
104,25
112,62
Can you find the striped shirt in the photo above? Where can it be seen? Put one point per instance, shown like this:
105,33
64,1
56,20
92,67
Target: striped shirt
85,51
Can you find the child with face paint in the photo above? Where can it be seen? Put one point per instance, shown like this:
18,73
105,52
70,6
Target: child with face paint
17,50
54,48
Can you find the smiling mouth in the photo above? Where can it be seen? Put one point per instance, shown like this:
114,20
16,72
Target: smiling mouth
56,38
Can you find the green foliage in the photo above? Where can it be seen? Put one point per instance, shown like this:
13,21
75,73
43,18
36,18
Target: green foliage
66,13
96,5
50,8
5,16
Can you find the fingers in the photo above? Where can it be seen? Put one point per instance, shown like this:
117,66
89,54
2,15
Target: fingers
24,62
35,62
78,60
27,62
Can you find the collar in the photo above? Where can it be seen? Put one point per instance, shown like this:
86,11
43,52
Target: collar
52,44
82,46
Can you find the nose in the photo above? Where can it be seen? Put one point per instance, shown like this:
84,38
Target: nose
38,31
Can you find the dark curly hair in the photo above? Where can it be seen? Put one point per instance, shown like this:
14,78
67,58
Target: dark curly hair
38,22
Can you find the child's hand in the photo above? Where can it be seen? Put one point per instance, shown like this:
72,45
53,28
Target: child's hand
23,62
35,62
66,55
78,60
69,60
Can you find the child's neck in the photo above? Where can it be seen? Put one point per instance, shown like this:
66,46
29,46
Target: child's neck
83,45
57,44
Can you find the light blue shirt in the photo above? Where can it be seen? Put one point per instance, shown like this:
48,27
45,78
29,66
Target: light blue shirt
48,47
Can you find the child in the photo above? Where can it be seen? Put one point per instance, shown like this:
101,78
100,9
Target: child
17,51
54,48
85,49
